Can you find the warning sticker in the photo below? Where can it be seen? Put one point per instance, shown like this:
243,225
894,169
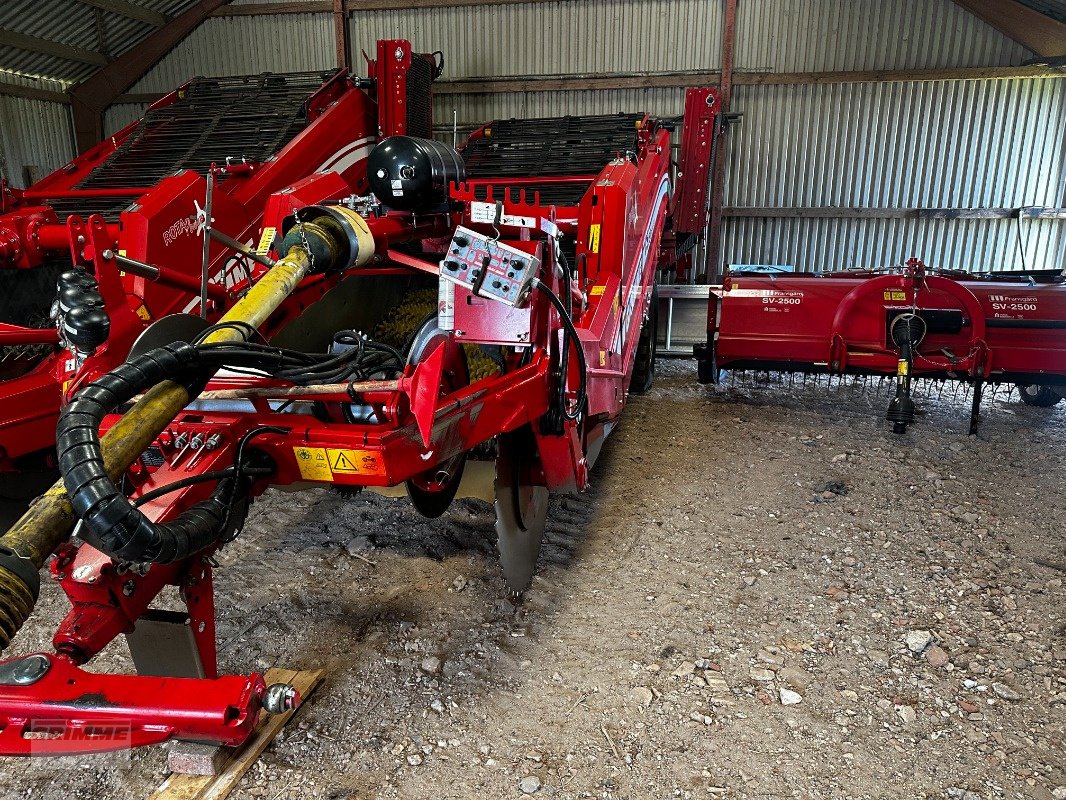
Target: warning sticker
266,241
594,237
313,463
143,313
895,295
356,462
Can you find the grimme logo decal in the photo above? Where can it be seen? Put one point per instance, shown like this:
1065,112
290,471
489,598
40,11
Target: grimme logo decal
191,224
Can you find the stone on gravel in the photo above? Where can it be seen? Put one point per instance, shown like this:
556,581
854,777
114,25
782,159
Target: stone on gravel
795,677
907,714
1006,692
642,695
917,641
761,674
936,656
789,697
431,665
686,668
357,546
529,784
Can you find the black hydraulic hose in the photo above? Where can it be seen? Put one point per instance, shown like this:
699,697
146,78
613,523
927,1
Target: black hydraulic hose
568,322
112,523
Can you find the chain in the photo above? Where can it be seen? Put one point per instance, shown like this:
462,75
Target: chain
303,241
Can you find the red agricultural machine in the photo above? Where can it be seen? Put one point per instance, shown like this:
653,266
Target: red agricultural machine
190,165
912,323
497,310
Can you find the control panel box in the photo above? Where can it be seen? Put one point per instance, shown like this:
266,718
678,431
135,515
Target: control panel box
489,268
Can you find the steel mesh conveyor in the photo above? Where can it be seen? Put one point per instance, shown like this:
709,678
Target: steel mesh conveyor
251,117
551,147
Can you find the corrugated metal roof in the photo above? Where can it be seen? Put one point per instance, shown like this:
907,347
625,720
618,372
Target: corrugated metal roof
247,45
72,23
831,35
1056,9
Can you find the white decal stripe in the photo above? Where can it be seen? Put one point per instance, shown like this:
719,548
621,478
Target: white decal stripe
328,164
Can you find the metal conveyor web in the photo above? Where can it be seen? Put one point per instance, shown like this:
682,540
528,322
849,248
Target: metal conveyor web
250,117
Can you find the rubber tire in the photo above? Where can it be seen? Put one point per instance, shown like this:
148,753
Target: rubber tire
1038,396
644,365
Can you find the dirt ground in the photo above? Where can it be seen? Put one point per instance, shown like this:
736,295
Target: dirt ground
766,595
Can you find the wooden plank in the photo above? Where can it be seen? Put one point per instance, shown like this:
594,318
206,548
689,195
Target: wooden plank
895,75
1038,32
355,6
33,93
217,787
684,79
129,10
49,48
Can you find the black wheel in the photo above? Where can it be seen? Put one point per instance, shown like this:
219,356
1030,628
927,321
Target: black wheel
1038,396
644,366
433,491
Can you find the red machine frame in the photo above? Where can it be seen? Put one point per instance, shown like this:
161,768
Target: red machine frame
423,420
162,227
998,328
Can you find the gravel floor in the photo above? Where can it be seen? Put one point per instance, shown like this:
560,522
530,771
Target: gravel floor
765,595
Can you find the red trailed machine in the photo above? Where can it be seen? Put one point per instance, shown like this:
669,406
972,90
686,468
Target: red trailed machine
500,313
206,156
912,323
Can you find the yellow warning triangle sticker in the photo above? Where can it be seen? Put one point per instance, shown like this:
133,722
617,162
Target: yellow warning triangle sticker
343,463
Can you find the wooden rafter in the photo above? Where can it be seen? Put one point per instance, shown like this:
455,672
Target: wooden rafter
92,96
32,44
129,10
1031,29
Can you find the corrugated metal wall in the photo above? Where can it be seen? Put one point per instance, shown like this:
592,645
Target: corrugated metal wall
948,144
957,143
33,133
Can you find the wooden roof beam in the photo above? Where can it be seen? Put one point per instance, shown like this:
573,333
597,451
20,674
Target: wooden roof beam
1029,28
46,47
90,97
129,10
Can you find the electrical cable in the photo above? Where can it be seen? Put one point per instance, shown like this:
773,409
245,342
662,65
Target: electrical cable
568,321
192,480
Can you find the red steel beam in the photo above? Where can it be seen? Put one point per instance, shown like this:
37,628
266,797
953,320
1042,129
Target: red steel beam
90,98
725,90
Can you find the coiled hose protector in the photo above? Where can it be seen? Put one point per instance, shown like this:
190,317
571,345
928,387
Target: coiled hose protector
112,524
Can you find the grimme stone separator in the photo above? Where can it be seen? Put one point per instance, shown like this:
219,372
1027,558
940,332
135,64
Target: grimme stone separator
511,284
191,163
912,323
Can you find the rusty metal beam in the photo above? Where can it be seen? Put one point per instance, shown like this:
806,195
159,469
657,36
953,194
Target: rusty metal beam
92,96
32,44
1042,34
721,150
340,35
